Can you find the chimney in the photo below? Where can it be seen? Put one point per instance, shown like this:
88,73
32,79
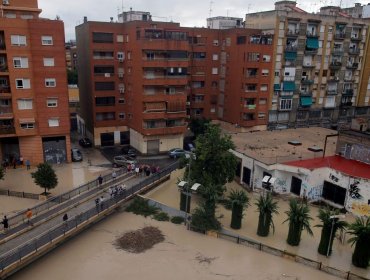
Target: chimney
85,19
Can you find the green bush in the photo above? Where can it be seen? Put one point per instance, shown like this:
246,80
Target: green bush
141,207
161,216
177,220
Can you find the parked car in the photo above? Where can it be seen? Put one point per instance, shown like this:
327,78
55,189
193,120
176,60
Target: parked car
76,155
131,152
176,153
85,142
123,160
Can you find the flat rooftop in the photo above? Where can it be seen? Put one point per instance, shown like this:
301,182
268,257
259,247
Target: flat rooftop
272,147
347,166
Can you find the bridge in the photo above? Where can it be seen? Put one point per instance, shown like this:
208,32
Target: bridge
25,242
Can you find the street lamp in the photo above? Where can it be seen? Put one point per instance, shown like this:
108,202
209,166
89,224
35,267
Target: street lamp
333,219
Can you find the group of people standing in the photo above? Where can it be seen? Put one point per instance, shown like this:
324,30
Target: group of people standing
14,162
142,170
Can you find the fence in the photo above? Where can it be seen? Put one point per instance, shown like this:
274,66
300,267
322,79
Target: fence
169,210
19,194
38,243
19,217
224,234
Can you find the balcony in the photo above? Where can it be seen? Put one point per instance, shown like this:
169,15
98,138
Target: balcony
310,51
4,89
339,36
2,41
348,78
308,65
250,106
305,93
346,104
353,65
7,129
348,92
356,37
337,51
307,81
332,91
310,34
335,65
165,79
291,48
6,113
354,51
292,32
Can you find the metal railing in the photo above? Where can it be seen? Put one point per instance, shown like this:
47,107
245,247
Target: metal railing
58,231
20,216
19,194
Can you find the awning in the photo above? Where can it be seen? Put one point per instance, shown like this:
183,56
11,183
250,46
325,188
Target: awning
290,55
288,86
306,100
277,87
155,106
27,120
312,43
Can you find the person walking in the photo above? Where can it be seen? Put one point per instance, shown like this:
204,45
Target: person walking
101,202
100,180
114,175
14,163
65,217
28,164
137,170
29,216
97,201
5,223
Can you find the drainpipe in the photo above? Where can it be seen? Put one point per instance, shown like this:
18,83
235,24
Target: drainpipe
326,140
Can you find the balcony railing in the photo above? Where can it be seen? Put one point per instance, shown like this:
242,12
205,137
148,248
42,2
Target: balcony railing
250,106
291,48
335,64
348,91
307,81
353,65
332,91
356,37
289,78
312,34
7,129
354,51
151,77
292,32
338,51
340,36
310,51
306,93
346,104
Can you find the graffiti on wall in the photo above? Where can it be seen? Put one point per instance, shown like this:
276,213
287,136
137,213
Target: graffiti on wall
354,190
280,185
361,209
314,193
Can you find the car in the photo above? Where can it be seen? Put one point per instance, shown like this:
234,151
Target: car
123,160
131,152
176,153
76,155
85,142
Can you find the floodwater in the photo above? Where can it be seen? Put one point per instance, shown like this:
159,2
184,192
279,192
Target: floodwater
341,256
91,255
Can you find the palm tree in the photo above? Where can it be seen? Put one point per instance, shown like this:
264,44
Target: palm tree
299,219
361,231
267,207
239,202
329,228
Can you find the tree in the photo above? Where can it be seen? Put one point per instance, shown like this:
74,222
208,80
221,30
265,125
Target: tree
214,164
266,207
361,231
299,220
45,177
239,201
199,126
329,228
202,220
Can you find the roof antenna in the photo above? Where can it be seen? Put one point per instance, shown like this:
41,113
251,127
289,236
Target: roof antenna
210,8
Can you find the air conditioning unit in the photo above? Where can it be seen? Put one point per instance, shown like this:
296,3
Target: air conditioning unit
120,75
6,2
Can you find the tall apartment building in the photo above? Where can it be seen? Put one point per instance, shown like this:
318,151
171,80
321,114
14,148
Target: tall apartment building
321,65
141,81
34,118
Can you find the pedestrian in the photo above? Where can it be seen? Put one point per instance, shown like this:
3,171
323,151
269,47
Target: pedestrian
100,180
114,175
157,169
152,169
14,163
129,168
28,164
21,160
29,216
111,191
65,217
147,172
97,200
6,224
141,169
101,201
137,171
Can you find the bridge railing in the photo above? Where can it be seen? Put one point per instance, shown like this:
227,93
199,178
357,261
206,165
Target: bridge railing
33,245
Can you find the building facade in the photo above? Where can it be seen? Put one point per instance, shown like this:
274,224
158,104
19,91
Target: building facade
34,117
141,81
224,22
321,65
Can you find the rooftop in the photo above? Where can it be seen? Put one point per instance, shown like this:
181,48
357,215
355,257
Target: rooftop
346,166
272,147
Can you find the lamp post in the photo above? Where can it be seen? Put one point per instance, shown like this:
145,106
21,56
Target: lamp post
333,219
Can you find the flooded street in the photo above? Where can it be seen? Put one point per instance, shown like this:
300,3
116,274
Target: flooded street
183,255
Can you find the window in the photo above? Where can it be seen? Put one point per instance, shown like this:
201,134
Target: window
263,101
129,55
22,83
261,116
266,58
215,43
18,40
241,40
49,61
52,102
101,37
253,57
215,71
265,72
121,116
285,104
10,15
277,73
46,40
20,62
121,56
215,57
53,122
50,82
264,87
27,125
119,38
121,101
24,104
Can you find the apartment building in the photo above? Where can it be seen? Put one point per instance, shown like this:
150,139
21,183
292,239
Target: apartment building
141,81
321,65
224,22
34,118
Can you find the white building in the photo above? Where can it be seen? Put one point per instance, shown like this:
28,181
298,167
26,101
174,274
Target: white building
224,22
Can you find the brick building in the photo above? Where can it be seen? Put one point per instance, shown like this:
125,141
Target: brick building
140,81
34,118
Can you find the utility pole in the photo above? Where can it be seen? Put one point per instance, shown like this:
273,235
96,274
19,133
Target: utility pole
210,8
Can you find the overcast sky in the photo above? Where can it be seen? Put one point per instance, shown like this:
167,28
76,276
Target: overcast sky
187,12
